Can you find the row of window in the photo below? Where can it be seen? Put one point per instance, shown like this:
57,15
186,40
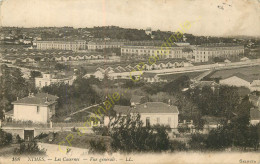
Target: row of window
149,51
106,46
216,52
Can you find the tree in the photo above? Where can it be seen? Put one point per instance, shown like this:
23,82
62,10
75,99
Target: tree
197,141
34,74
219,138
198,122
177,85
253,136
5,138
128,135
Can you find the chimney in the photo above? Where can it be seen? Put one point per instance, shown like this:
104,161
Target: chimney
169,102
17,98
46,99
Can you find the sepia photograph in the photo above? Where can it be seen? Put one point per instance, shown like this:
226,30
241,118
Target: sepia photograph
130,81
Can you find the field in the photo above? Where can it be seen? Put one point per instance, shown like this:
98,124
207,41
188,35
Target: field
251,72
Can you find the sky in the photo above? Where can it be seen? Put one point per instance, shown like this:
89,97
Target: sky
208,17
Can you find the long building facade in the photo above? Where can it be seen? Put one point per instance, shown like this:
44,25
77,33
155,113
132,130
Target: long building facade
93,46
208,52
61,45
172,52
203,53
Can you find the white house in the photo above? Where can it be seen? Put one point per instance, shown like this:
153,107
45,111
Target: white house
37,108
151,113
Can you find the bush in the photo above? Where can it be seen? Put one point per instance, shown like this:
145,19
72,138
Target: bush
97,147
19,139
41,136
30,148
129,135
5,138
104,131
183,129
178,146
198,142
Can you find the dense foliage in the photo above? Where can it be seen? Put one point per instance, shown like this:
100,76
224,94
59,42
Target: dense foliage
29,148
5,138
128,134
13,86
73,97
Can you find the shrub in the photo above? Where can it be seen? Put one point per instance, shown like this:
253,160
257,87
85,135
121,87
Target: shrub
104,131
183,129
129,135
41,136
19,139
178,146
97,147
198,141
29,148
5,138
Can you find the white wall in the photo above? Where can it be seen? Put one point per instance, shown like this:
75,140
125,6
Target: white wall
29,113
163,118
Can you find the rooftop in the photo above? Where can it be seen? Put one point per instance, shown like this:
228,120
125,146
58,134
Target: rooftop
149,107
155,107
241,76
40,99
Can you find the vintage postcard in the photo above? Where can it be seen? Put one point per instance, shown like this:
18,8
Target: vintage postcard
130,81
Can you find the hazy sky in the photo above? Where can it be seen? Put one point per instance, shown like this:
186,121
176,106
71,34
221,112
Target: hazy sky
210,17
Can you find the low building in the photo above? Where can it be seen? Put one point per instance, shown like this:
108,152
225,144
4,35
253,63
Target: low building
37,108
48,79
151,113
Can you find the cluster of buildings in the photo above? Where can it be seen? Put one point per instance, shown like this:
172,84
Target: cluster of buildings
48,79
123,72
199,53
48,56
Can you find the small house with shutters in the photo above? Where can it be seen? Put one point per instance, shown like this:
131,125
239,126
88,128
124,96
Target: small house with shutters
37,108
